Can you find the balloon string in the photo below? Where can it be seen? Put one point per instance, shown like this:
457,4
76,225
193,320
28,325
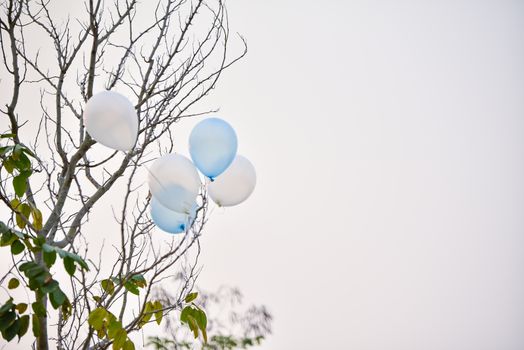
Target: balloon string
211,211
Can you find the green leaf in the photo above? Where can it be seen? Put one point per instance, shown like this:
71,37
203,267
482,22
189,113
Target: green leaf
67,309
190,297
57,298
13,283
7,320
49,257
4,150
120,339
131,288
185,313
12,330
113,328
3,228
15,203
76,258
139,281
17,151
28,152
38,309
148,308
69,265
101,333
204,335
17,247
40,241
23,163
37,275
19,234
7,239
20,182
37,218
50,286
7,136
21,307
108,286
35,326
25,210
96,318
68,257
193,325
47,248
129,345
196,319
27,265
34,271
201,318
9,165
7,307
19,221
24,326
158,313
247,342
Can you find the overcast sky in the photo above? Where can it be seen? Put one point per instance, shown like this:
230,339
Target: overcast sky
388,138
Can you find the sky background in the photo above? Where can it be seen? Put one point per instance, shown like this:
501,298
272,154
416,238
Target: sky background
388,138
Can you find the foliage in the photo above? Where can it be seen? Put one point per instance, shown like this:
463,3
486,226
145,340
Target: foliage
194,317
108,326
217,342
39,256
235,330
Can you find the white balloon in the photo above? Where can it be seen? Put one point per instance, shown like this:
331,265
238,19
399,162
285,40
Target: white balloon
235,184
111,120
174,181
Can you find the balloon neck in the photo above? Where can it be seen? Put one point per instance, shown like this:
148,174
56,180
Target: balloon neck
211,179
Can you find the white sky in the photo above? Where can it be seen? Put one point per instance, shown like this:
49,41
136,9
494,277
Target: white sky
388,142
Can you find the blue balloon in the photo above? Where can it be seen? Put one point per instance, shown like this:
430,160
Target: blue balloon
213,146
169,220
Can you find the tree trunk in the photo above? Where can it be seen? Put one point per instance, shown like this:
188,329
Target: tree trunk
42,340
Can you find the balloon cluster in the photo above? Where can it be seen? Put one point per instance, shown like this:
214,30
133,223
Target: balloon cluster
174,182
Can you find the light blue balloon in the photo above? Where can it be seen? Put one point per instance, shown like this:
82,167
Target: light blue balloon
213,146
169,220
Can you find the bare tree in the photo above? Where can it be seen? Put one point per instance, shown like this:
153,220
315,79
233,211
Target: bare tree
166,61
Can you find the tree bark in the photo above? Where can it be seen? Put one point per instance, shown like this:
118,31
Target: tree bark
42,340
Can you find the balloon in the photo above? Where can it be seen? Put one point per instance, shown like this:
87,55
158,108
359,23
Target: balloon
111,120
213,146
174,181
235,185
169,220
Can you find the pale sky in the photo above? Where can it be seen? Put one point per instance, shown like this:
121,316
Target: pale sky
388,138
